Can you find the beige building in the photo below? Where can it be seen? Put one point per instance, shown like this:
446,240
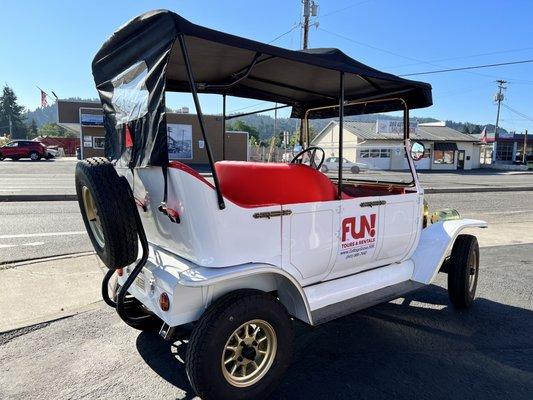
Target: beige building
184,135
379,145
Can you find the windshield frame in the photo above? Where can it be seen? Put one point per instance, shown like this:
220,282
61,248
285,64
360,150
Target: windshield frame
305,138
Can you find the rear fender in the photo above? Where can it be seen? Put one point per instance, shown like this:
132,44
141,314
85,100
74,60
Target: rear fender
436,242
267,278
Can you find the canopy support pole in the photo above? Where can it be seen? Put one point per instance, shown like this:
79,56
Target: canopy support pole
341,131
198,107
405,123
224,126
256,112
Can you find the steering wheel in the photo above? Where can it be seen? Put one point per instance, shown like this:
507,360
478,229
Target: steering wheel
299,158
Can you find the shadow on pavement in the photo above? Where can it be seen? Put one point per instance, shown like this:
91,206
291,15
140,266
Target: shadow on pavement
418,348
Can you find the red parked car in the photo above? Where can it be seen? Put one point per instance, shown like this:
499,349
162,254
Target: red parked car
18,149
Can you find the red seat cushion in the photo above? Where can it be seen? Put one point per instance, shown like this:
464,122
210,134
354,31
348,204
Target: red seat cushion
253,184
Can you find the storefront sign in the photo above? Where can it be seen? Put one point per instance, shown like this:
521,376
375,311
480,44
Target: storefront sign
394,126
87,141
92,119
505,135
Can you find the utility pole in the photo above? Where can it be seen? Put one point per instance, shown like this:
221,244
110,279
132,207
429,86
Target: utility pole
524,153
10,128
498,97
309,9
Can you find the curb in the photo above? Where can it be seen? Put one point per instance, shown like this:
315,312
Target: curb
19,263
478,189
37,197
6,198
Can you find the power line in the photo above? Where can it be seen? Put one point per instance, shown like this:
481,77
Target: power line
524,116
371,47
284,34
399,55
468,56
345,8
469,68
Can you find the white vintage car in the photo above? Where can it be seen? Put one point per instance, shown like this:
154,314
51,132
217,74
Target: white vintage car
331,164
230,262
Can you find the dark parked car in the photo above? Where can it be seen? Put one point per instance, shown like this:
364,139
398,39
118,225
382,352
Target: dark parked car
18,149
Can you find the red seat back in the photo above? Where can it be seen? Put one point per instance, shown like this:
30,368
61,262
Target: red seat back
253,184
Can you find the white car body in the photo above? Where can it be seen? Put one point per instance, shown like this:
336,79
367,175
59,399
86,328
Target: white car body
324,259
332,164
52,153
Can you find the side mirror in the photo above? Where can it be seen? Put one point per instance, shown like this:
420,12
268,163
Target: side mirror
417,151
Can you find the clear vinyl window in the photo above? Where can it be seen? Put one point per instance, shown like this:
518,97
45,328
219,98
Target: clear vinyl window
130,95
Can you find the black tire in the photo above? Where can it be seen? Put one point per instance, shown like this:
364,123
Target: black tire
115,240
15,158
34,156
355,169
1,157
210,335
324,169
463,271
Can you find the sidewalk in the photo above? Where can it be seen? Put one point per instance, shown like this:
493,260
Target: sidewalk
49,289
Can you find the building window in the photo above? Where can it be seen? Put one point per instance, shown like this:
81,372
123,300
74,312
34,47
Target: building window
443,157
504,151
384,153
99,143
375,153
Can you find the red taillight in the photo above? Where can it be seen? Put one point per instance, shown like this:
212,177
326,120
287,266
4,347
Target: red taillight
120,272
164,301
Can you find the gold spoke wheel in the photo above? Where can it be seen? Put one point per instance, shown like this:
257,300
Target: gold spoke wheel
249,353
92,216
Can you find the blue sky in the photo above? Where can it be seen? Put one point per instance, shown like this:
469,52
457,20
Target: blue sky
51,44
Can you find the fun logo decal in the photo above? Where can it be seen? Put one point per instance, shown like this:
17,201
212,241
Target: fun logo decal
358,235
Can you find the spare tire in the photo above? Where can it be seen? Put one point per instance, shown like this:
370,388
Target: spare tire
108,211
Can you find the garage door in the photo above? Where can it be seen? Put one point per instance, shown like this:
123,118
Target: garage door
375,158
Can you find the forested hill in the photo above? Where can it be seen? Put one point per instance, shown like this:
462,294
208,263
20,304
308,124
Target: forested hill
265,123
45,115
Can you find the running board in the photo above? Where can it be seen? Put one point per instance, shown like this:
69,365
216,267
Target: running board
349,306
341,296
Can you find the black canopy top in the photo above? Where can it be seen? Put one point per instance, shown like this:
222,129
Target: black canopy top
142,60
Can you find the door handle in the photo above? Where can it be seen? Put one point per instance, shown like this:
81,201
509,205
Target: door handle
373,203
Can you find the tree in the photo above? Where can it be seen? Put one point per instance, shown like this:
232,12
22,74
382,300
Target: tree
466,129
32,129
244,127
476,130
53,129
11,114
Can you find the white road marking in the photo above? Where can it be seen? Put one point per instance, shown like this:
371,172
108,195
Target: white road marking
33,244
44,234
36,187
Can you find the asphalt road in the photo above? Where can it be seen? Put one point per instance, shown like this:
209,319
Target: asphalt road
37,177
415,347
57,177
30,230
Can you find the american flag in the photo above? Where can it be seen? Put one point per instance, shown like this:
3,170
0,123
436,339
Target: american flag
44,103
483,135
